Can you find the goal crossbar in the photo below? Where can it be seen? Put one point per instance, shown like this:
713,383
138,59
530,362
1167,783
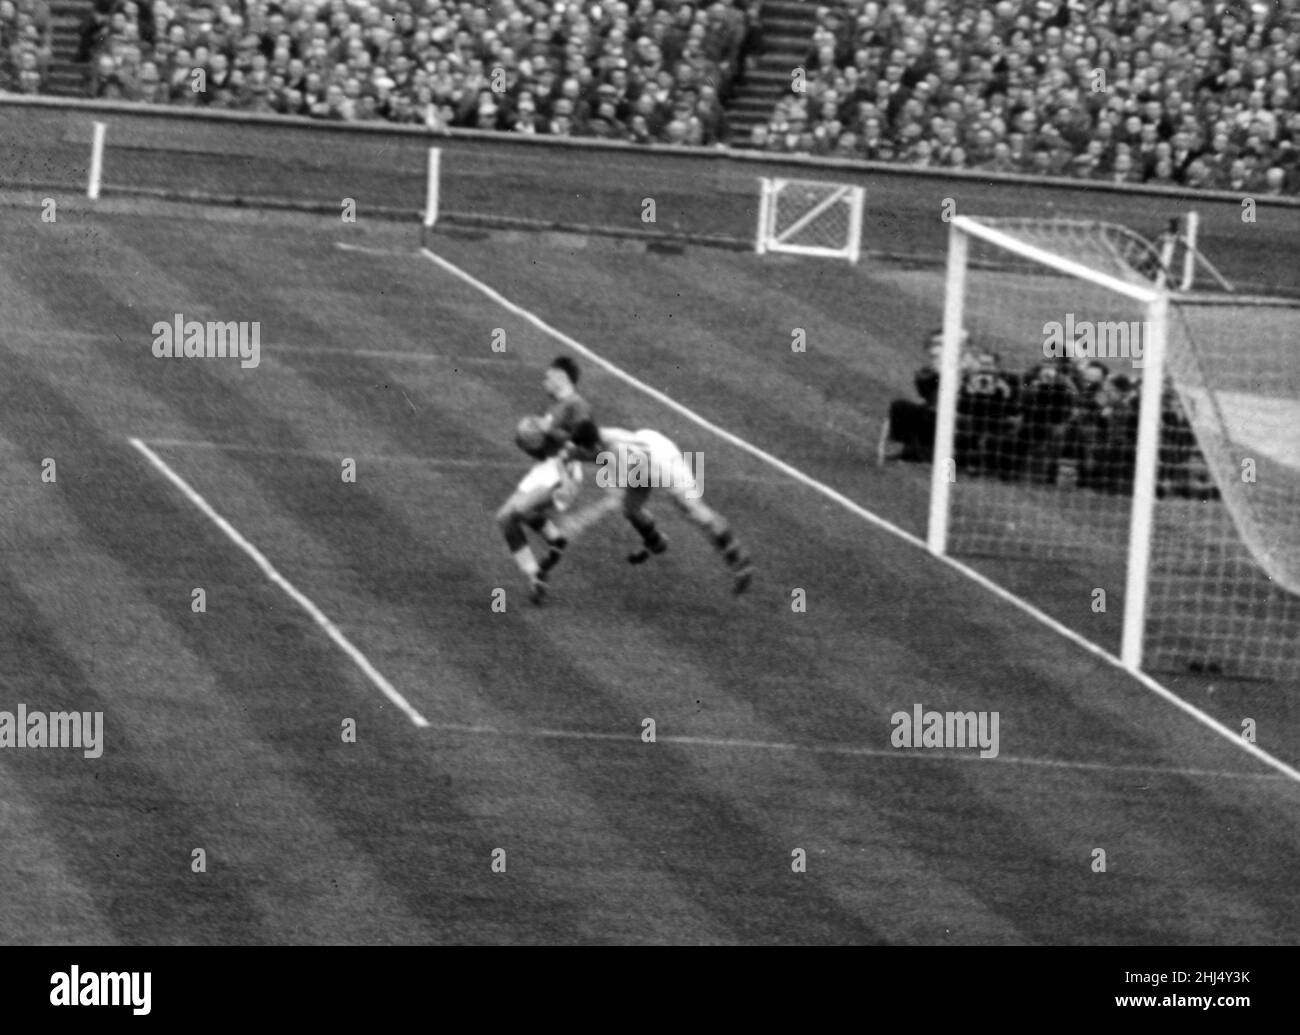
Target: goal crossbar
982,230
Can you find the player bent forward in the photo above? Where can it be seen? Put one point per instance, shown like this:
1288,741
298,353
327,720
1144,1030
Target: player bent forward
657,453
553,481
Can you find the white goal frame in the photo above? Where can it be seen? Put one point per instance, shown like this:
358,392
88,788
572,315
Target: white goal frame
1154,302
770,238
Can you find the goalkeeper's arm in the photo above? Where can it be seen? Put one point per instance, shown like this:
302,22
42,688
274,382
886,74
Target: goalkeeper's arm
584,445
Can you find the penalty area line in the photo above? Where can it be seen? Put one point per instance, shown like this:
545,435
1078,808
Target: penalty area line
851,751
1155,687
269,570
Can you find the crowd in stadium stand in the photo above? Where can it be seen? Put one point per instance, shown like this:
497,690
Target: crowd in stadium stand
641,71
1203,93
26,45
1066,422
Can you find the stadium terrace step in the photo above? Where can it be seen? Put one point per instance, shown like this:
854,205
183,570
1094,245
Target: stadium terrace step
785,40
70,12
66,77
66,41
780,61
779,77
741,133
786,44
801,27
794,10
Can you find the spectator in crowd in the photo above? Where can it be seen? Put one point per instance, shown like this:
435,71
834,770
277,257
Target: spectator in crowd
26,45
986,400
1046,407
908,431
1117,455
1088,429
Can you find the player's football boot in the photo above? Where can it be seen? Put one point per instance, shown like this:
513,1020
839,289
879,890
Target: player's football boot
537,589
656,543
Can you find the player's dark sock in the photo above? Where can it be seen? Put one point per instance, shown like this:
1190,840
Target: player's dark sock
729,548
553,555
653,542
741,576
737,558
513,532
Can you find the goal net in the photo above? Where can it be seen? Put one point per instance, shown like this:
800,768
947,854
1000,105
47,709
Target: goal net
808,217
1124,455
1226,576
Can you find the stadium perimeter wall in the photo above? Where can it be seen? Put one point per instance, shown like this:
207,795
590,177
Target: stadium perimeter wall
703,196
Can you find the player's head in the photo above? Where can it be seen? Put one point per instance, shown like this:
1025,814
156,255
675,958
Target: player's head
1096,372
561,377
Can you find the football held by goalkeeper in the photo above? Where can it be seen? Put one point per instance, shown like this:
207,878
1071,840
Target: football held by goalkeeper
551,484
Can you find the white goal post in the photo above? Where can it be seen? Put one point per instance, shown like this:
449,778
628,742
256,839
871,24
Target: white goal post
1124,448
810,217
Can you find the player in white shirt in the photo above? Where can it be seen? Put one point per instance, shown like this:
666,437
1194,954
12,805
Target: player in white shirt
639,462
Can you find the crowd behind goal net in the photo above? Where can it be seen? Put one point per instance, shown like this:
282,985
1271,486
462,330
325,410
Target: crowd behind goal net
1135,444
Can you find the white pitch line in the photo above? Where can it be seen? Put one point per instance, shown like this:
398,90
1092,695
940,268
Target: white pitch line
365,250
850,750
1005,595
315,613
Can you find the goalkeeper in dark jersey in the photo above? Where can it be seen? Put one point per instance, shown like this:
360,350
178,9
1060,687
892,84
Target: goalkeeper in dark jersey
553,482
